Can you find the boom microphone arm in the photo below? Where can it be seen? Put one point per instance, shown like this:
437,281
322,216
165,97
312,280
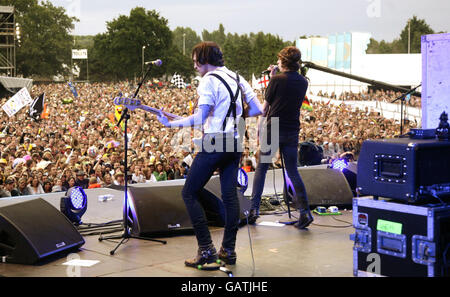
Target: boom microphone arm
359,78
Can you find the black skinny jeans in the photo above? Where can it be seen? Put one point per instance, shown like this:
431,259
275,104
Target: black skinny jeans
203,167
288,145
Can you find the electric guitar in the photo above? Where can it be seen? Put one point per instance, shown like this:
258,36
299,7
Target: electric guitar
133,104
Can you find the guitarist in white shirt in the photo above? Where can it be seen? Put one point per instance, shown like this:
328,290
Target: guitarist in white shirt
217,116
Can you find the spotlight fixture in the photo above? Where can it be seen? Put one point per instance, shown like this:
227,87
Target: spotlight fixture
74,204
339,164
349,170
242,180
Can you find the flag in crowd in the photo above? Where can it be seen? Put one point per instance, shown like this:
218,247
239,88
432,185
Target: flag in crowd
118,114
264,81
306,105
155,84
255,83
261,83
38,108
408,97
178,81
73,89
191,107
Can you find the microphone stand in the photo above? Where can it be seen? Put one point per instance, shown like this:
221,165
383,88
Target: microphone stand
126,210
286,196
402,98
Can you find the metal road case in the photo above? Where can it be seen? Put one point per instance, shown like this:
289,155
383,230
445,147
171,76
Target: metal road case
399,239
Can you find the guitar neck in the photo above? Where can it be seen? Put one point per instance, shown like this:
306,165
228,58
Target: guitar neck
156,111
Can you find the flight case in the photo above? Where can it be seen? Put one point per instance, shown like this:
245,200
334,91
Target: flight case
399,239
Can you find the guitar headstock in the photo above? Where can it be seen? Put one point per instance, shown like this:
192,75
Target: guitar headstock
129,103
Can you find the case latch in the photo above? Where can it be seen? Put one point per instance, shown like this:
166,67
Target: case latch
362,239
423,250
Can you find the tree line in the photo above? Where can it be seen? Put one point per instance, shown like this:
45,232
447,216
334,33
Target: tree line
408,41
144,35
118,54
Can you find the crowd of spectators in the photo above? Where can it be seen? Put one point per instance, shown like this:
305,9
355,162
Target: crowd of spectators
79,143
377,95
342,129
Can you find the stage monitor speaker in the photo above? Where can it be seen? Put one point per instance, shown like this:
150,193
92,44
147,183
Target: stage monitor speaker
33,230
211,199
324,187
158,209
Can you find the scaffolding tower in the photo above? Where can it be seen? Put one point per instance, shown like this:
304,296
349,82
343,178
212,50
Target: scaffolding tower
7,42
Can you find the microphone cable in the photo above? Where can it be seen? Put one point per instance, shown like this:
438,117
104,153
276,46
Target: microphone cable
297,218
276,194
246,213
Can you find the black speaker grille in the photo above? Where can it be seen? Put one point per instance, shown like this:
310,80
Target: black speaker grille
36,229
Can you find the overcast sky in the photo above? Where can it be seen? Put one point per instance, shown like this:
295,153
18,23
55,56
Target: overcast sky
289,19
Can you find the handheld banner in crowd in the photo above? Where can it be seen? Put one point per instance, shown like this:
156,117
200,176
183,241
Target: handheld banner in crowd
16,102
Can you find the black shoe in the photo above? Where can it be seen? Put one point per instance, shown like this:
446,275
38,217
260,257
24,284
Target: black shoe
305,220
227,256
252,217
204,256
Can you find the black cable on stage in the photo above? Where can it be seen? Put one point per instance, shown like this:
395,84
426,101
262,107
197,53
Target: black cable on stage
251,245
266,204
434,194
336,219
94,225
88,229
101,228
222,267
335,226
101,232
315,224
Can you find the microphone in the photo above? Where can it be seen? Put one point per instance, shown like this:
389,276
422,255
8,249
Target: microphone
156,63
268,71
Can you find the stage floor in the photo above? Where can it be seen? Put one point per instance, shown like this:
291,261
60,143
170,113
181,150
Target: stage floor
324,250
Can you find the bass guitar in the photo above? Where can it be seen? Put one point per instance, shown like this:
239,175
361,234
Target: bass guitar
133,104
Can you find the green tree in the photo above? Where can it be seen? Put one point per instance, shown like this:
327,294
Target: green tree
265,48
83,41
218,36
383,47
236,54
418,28
400,45
117,54
179,63
190,39
45,38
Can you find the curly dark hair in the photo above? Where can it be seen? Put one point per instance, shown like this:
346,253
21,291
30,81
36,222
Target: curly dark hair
290,58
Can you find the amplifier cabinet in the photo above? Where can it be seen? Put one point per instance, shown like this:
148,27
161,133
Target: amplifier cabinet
399,239
404,169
